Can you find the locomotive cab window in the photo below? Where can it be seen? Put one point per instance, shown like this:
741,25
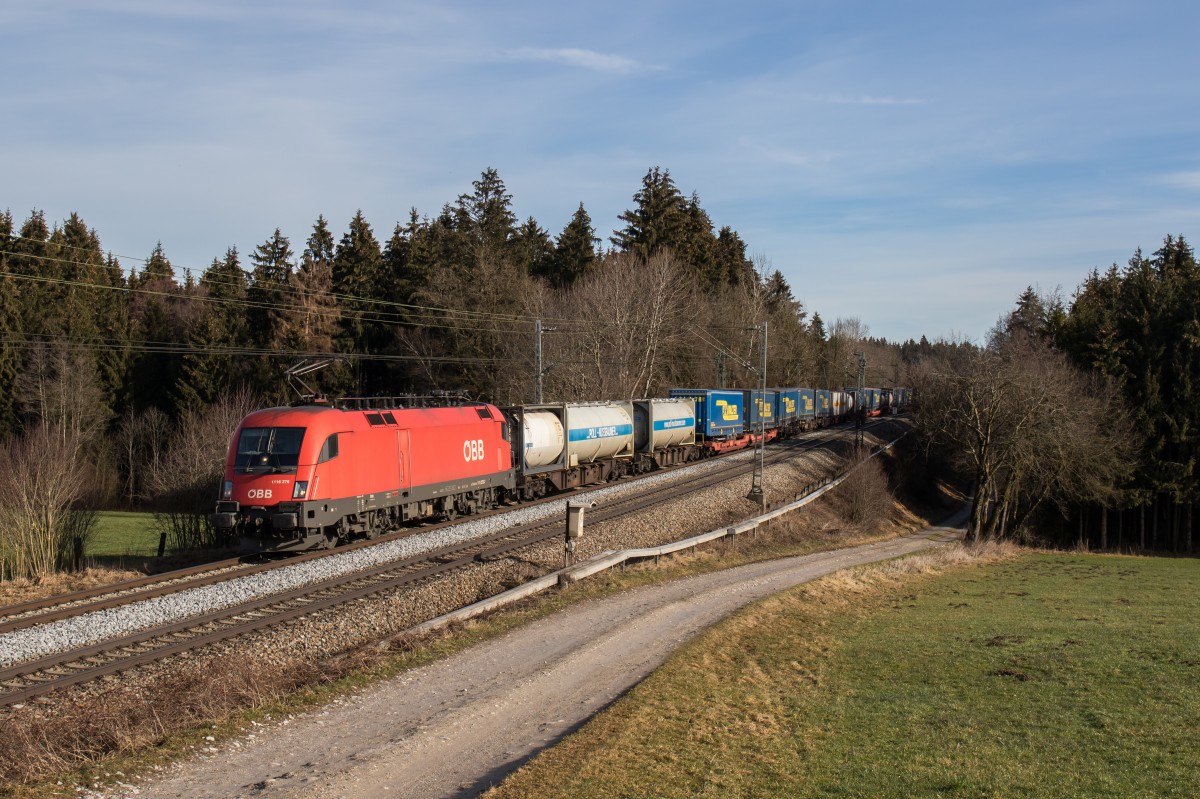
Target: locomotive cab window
269,449
329,450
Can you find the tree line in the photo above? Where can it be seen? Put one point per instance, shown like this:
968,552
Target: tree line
120,365
1079,419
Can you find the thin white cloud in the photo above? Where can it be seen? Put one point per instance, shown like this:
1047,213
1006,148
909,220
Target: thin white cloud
864,99
1183,180
577,57
774,154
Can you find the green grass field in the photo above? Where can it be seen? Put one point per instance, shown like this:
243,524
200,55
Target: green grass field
1040,676
121,534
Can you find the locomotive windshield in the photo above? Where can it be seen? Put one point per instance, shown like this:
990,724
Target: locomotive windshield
269,449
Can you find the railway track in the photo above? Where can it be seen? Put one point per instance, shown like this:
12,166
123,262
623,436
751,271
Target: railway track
25,681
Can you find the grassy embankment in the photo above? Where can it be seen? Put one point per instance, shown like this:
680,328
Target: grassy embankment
121,534
1037,675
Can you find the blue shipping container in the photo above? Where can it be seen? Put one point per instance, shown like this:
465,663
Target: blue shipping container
824,402
762,407
788,407
808,403
719,413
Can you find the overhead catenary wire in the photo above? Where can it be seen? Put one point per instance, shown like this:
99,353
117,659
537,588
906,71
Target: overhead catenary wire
562,325
414,316
282,287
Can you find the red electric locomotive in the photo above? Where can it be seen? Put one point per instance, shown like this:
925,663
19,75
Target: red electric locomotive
319,474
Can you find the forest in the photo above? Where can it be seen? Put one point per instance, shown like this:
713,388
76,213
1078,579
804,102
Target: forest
120,383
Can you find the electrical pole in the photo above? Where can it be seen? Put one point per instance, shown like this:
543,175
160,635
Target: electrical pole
757,489
537,362
860,412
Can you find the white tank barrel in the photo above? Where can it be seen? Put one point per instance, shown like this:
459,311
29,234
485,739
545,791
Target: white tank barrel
598,430
543,437
662,423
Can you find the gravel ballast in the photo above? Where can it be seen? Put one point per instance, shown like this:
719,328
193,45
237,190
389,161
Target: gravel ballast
34,642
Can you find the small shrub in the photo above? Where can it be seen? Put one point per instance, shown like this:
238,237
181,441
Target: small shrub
865,492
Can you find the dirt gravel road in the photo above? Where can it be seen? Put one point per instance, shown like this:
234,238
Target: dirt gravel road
458,726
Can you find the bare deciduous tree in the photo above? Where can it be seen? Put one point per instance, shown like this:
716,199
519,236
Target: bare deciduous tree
141,438
1030,427
185,482
41,526
865,491
641,314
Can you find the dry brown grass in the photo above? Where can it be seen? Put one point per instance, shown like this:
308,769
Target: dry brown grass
13,592
55,738
41,740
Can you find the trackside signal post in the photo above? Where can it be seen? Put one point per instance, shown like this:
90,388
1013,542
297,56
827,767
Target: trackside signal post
574,528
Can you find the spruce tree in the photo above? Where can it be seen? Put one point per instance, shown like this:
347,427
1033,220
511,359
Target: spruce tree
575,250
731,259
270,303
156,319
11,331
357,278
212,367
268,292
487,215
312,327
32,256
658,220
532,251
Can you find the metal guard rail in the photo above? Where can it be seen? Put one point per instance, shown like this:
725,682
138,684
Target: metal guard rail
607,560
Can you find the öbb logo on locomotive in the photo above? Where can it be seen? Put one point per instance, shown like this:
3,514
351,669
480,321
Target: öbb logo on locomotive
322,472
473,450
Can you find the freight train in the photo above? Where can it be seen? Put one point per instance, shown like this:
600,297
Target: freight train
320,473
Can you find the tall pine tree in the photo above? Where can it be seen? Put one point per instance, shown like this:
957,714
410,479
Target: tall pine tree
575,250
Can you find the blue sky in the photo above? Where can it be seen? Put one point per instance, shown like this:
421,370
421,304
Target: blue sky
913,164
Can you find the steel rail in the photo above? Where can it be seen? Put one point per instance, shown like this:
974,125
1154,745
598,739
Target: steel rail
21,682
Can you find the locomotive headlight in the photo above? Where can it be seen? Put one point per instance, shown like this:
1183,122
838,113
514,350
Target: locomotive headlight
301,489
227,490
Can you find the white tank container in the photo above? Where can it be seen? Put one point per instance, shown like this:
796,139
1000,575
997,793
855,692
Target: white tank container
543,437
598,430
662,423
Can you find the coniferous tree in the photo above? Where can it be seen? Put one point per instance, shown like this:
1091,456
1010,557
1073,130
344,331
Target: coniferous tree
357,279
657,222
1140,326
270,302
532,251
268,293
11,331
155,320
575,250
697,247
487,216
313,325
733,265
32,256
114,329
211,366
80,261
